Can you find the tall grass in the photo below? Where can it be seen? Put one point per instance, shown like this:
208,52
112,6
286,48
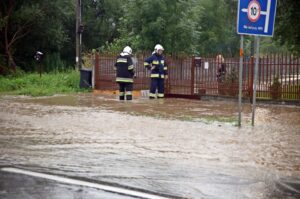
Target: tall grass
46,85
53,62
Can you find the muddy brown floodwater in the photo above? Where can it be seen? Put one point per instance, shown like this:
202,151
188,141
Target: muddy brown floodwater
185,148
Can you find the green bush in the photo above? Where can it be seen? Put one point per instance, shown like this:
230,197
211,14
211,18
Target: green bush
53,62
230,83
275,88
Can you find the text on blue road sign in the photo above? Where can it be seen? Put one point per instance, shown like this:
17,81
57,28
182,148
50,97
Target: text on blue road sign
256,17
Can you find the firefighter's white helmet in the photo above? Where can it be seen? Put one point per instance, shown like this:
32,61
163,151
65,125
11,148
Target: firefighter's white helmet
158,47
127,50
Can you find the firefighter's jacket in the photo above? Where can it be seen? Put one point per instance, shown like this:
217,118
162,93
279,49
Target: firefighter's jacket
124,68
158,65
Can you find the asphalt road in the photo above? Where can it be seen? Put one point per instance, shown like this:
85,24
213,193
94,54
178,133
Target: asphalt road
17,186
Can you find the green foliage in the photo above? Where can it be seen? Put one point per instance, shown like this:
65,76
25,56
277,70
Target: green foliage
3,68
48,84
270,46
275,88
53,62
101,22
146,23
229,86
37,25
232,76
201,27
194,27
287,94
287,27
88,60
216,24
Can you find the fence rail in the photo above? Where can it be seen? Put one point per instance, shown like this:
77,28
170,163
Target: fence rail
189,76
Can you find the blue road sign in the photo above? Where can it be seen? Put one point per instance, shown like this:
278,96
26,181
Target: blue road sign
256,17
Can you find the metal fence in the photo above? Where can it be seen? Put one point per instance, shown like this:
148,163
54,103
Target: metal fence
193,77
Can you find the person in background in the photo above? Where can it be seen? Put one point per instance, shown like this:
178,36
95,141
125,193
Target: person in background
124,73
221,68
159,71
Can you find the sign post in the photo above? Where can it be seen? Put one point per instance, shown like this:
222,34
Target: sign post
241,79
255,17
255,77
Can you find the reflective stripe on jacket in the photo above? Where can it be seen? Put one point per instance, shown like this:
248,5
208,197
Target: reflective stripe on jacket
156,63
124,69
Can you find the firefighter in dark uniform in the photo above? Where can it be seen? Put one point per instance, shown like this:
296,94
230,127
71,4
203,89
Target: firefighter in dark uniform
159,72
125,72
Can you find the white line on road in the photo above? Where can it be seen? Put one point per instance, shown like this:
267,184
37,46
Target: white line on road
117,190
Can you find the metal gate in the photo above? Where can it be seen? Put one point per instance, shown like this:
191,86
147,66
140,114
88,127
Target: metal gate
193,77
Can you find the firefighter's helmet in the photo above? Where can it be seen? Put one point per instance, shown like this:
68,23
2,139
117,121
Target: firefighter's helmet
158,47
127,50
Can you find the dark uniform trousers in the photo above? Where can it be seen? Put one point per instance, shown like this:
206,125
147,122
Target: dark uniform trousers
125,89
159,84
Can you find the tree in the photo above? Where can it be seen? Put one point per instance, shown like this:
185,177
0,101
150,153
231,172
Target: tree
146,23
30,25
287,26
194,27
217,27
53,33
16,21
101,21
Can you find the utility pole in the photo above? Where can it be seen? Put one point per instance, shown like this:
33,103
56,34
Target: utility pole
79,30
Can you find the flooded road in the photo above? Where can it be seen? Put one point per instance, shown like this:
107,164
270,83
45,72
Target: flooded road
184,148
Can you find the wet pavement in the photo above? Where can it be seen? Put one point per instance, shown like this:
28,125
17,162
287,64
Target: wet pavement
22,187
184,148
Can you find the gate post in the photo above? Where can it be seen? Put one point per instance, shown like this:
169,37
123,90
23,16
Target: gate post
96,70
193,76
167,82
